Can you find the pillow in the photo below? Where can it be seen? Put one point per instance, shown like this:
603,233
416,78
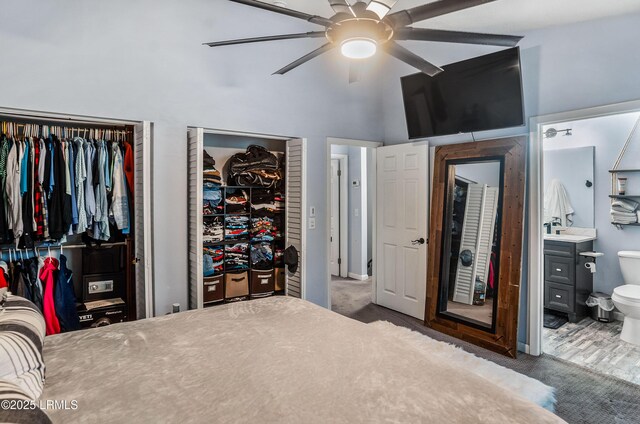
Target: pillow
17,407
22,331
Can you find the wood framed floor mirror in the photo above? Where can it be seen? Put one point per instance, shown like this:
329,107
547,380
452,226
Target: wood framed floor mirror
475,243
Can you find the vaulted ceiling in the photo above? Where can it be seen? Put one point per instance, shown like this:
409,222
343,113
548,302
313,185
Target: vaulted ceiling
503,16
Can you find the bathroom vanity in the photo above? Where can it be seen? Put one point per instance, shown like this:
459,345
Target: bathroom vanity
567,281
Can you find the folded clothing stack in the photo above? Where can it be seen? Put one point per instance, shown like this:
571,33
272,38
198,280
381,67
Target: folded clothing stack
213,261
625,212
262,202
278,226
209,171
211,198
278,202
261,228
261,256
236,227
237,256
213,229
236,200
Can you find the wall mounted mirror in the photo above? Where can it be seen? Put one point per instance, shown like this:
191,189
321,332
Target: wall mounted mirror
475,248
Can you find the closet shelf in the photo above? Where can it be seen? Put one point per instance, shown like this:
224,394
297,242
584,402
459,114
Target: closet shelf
616,171
624,196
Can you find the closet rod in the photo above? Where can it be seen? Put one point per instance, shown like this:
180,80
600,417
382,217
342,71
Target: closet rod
69,246
44,116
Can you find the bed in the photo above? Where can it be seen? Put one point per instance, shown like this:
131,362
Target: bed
277,359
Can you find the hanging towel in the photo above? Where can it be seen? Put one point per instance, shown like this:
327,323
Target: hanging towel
557,205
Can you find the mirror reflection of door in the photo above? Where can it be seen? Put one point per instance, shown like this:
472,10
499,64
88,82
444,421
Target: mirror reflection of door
470,275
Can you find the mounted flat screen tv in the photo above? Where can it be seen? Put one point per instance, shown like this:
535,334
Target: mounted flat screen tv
483,93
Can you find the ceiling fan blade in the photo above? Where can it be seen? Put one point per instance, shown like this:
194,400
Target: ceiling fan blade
431,10
399,52
423,34
341,6
317,52
284,11
313,34
381,7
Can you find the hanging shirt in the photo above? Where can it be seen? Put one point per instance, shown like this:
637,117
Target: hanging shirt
5,235
72,185
128,166
24,158
101,220
51,162
81,176
47,276
42,160
65,299
14,199
119,211
90,199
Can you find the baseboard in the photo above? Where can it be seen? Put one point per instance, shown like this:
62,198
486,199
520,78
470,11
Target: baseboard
523,347
358,276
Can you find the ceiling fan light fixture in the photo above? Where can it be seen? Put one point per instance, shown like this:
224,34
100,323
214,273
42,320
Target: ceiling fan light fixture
358,48
381,7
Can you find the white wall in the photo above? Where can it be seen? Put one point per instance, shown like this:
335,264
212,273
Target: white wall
607,135
564,68
144,60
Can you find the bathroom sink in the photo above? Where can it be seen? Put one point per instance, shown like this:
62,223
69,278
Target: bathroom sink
569,238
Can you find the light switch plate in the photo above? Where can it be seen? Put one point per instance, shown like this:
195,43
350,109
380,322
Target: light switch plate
312,211
312,223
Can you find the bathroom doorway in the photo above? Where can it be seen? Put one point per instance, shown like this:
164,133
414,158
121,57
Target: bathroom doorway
580,221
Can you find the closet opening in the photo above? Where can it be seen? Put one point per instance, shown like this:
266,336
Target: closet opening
75,223
246,204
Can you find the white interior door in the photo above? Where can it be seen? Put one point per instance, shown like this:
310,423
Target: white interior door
335,217
402,216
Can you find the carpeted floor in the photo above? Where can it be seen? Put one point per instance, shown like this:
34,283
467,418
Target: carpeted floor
584,396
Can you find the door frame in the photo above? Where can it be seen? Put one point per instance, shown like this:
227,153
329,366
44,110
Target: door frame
535,276
303,206
343,218
67,118
370,191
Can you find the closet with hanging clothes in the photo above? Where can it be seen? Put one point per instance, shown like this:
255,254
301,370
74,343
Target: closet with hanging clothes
70,192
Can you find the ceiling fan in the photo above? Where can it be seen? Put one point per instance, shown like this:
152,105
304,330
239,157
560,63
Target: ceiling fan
360,29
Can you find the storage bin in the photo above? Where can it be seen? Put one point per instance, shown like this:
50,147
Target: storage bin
213,290
262,282
236,284
280,275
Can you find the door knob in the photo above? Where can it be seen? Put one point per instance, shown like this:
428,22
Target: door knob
419,241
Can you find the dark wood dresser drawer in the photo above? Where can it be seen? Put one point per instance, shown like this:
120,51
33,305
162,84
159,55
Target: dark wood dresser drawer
560,269
559,297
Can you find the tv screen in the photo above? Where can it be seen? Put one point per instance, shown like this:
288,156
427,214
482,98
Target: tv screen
483,93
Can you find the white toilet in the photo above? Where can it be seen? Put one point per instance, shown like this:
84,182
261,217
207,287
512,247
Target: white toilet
627,297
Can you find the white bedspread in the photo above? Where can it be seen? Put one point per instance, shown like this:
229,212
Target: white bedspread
265,361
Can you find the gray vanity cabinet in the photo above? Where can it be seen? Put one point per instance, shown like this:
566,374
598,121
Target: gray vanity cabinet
567,282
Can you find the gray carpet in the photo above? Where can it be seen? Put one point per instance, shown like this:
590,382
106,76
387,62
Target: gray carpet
584,396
